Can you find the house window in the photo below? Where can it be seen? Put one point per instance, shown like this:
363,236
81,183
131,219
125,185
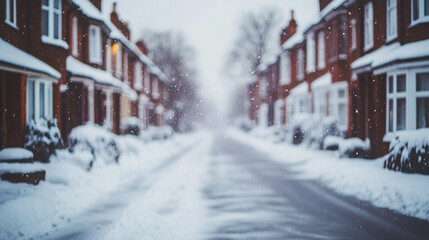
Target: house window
319,102
263,86
51,20
300,65
94,44
311,50
407,100
39,99
109,56
332,43
338,104
419,11
11,13
138,76
155,90
353,33
146,79
321,50
343,36
279,112
369,26
75,37
285,68
391,19
126,68
116,57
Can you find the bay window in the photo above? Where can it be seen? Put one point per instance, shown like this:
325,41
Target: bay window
368,26
95,44
321,50
392,22
311,50
39,99
419,11
407,100
51,23
285,68
138,76
300,65
75,37
338,101
126,68
11,13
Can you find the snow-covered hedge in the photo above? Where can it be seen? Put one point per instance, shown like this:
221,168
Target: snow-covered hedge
132,126
157,133
332,143
354,148
99,142
409,152
42,137
245,124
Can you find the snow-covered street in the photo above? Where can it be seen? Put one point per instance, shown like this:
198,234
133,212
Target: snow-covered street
209,186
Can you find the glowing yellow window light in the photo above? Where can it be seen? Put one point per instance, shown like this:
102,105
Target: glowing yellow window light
115,48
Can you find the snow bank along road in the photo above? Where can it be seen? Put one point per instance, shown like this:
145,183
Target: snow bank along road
221,188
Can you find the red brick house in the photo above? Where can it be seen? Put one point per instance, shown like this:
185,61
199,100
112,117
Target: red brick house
67,61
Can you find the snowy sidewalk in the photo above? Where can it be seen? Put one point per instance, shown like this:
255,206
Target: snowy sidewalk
364,179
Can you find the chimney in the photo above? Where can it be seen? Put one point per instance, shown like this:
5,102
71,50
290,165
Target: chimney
96,3
324,3
122,26
114,16
142,46
289,30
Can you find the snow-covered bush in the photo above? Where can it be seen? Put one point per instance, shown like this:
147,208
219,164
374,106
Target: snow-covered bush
332,143
132,126
409,152
245,124
157,133
97,141
354,148
42,137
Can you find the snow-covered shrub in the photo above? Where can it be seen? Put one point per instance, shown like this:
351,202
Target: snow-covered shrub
42,137
409,152
97,141
245,124
354,148
332,143
157,133
132,126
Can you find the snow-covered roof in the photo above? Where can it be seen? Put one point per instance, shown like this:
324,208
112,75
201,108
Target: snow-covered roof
368,59
15,56
300,89
322,81
297,38
89,10
78,68
404,52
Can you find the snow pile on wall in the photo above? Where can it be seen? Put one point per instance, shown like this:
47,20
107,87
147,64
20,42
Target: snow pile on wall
354,148
42,137
409,152
15,154
157,133
132,126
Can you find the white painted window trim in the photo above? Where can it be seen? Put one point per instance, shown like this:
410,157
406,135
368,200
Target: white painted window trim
109,56
321,63
75,37
108,123
95,48
300,64
138,76
421,17
278,112
126,77
389,8
146,79
285,68
263,86
48,99
411,94
49,39
354,34
368,26
7,16
311,53
335,101
320,100
155,89
118,69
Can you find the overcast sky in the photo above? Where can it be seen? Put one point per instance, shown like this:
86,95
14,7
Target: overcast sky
209,26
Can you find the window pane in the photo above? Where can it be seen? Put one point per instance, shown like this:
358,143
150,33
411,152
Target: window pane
42,100
56,26
400,118
391,84
45,2
343,40
401,83
49,100
341,93
423,112
426,7
12,11
45,22
30,100
415,9
342,112
390,115
56,4
423,82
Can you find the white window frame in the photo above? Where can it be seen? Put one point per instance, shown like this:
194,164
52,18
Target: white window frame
391,24
300,64
155,88
334,103
108,122
75,37
118,69
368,26
354,34
146,79
109,56
278,112
126,77
263,86
8,17
411,94
285,68
320,101
50,38
48,101
321,63
421,18
95,45
138,82
311,53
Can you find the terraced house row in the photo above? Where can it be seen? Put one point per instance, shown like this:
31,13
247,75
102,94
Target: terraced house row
63,59
363,62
